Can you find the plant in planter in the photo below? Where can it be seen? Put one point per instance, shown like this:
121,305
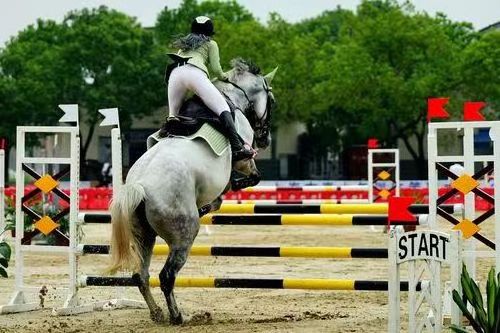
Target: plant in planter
5,253
487,316
29,230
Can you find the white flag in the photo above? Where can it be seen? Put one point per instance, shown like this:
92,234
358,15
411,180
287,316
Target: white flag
70,113
110,117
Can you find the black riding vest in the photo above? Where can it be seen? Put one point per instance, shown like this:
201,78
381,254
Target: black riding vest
177,61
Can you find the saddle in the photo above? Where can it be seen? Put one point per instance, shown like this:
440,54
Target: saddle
192,115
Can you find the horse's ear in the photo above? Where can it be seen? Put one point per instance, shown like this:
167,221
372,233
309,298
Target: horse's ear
269,77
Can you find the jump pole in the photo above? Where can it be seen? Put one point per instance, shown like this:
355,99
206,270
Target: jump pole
251,283
281,219
326,208
258,251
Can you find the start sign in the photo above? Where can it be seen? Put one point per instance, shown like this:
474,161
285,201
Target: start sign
420,245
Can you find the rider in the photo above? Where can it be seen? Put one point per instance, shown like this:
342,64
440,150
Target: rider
189,72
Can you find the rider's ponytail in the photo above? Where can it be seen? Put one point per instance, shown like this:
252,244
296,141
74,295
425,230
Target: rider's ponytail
190,42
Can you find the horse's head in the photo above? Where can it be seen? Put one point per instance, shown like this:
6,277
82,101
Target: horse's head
256,95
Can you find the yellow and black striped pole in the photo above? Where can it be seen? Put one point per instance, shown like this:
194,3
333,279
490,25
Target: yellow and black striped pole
262,251
252,283
239,209
377,208
304,219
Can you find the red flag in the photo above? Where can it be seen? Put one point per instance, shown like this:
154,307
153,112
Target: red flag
435,108
372,143
472,111
399,210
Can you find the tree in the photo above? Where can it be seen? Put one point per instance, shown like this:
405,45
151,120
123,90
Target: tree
481,69
173,22
96,58
113,63
388,61
30,88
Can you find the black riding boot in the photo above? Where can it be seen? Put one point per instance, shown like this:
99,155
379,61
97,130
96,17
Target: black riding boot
240,152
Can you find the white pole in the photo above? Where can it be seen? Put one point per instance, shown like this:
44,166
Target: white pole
436,297
370,176
20,155
455,272
412,296
116,160
74,210
495,137
397,176
432,175
469,198
394,287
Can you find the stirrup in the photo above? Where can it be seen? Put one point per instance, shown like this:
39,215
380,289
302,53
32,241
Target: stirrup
243,154
172,118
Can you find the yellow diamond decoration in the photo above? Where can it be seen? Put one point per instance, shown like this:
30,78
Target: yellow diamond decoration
46,225
465,184
384,175
467,228
46,183
384,194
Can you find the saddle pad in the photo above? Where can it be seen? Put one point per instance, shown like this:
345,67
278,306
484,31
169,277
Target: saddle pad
216,140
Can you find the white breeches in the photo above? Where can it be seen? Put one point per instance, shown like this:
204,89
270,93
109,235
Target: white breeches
191,78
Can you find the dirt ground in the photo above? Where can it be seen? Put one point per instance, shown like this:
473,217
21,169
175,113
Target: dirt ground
227,310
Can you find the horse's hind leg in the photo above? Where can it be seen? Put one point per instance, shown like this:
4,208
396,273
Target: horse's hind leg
147,236
176,259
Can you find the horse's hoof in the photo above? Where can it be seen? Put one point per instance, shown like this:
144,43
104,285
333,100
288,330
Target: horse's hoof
157,316
177,320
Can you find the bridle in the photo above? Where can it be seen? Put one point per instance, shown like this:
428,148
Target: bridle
261,125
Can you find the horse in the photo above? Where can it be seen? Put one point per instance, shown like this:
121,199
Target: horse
166,187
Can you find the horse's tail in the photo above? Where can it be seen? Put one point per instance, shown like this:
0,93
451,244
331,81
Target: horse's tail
125,248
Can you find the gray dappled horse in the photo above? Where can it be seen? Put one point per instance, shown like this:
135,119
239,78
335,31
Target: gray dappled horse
173,179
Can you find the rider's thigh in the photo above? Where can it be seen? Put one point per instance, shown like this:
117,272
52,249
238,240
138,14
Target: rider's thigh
177,91
205,89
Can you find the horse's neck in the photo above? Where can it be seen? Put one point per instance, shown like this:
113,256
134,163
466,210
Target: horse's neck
243,127
242,124
233,94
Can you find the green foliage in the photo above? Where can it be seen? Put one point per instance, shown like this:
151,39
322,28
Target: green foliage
487,316
96,58
388,60
481,69
173,22
5,253
36,205
343,73
30,82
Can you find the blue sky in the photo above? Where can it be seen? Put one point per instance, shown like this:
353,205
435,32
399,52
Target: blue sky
15,15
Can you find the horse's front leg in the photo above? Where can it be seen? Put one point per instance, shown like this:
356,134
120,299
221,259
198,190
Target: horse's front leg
211,207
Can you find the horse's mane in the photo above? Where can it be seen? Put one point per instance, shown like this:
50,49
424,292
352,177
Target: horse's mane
242,65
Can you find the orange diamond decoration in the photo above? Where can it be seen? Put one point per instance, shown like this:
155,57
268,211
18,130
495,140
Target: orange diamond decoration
467,228
46,225
465,184
384,175
384,194
46,183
